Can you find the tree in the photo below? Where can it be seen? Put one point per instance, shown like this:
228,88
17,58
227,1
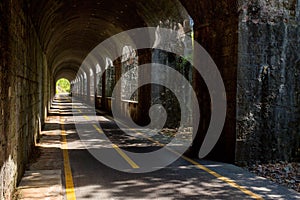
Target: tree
62,86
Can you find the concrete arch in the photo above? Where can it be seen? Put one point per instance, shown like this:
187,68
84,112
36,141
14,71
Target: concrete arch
68,31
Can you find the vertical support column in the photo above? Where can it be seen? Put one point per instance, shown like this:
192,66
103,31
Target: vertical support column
81,86
118,73
88,86
45,88
49,91
144,93
204,105
52,90
95,86
103,90
223,50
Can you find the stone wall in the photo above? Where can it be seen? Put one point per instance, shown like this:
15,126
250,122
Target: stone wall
215,29
268,95
21,104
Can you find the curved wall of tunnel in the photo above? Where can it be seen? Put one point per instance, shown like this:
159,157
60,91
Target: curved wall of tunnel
43,41
54,37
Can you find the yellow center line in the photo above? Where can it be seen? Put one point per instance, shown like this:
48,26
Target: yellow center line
70,191
120,151
85,116
129,160
98,129
229,181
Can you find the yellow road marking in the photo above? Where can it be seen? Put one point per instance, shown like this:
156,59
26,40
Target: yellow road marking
86,117
98,129
225,179
121,153
230,182
70,191
129,160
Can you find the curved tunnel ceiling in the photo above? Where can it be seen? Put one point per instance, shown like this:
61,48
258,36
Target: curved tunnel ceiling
67,73
69,30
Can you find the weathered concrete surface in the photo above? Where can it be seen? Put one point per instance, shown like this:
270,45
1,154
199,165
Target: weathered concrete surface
49,147
268,99
44,40
215,29
41,184
43,178
22,94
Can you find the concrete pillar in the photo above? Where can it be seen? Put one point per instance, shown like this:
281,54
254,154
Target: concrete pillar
118,73
103,90
95,85
88,85
144,98
223,50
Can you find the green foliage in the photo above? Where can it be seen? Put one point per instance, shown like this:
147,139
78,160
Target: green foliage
184,66
63,86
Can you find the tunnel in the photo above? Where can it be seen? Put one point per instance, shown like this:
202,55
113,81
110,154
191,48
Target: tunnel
44,41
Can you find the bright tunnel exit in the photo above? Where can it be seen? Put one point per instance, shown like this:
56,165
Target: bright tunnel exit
63,86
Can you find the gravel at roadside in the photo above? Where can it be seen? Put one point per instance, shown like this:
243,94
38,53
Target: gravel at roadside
284,173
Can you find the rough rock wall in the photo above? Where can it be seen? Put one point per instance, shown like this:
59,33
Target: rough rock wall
21,103
268,95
